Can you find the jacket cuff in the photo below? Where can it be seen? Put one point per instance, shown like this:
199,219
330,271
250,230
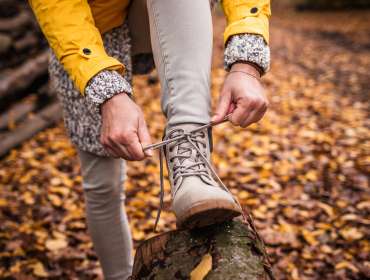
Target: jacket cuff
104,86
247,48
85,63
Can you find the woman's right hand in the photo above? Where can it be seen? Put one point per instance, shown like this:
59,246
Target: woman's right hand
124,131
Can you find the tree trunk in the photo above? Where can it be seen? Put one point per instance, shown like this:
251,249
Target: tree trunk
235,248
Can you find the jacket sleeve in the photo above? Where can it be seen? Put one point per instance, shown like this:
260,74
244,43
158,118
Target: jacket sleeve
247,16
70,30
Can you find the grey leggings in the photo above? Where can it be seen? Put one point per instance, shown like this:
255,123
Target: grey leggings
181,37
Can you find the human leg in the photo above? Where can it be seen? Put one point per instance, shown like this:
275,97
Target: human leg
107,220
181,35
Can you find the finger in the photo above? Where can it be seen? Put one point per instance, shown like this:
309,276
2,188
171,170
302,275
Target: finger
111,152
241,113
223,106
125,152
134,147
144,137
120,150
107,146
231,108
254,116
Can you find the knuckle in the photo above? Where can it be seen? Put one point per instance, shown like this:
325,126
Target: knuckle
257,102
244,102
113,137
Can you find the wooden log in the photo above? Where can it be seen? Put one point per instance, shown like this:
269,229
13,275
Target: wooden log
5,43
30,40
17,113
15,80
15,23
40,121
235,248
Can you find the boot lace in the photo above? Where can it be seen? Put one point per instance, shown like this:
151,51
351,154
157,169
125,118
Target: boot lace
199,167
185,163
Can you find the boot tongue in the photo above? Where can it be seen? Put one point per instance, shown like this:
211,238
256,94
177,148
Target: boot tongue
188,150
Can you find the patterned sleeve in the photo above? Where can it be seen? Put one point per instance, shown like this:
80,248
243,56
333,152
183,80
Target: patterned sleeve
247,48
104,86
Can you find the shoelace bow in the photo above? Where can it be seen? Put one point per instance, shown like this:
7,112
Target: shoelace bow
187,136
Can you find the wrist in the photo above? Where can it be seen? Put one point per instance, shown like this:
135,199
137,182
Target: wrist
246,67
124,96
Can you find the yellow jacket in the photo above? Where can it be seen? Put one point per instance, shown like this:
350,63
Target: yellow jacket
73,29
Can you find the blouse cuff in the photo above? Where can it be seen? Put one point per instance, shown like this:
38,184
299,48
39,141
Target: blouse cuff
104,86
249,48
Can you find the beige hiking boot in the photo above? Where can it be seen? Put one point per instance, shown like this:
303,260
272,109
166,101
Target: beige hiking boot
199,197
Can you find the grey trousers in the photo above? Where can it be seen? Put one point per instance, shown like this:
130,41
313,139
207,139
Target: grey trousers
181,39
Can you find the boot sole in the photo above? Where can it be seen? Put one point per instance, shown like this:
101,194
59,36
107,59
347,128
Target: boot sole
208,213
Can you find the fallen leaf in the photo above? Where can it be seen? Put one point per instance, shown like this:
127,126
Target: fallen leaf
38,270
202,269
56,244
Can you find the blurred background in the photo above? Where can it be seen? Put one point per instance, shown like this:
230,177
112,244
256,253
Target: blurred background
303,172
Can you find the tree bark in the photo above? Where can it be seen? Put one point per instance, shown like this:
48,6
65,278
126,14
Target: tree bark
236,249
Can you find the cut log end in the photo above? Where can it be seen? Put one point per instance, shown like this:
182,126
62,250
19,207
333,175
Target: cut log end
237,253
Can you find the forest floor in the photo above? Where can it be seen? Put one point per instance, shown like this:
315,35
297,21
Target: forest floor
302,172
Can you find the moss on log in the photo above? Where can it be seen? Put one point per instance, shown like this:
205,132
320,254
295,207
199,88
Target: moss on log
236,249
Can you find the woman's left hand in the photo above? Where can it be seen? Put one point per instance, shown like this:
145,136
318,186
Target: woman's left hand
242,96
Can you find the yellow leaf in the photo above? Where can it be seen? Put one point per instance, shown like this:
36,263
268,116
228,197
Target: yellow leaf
346,265
202,269
15,268
56,244
55,181
311,175
328,209
60,190
309,237
39,270
3,202
55,200
363,205
139,235
351,234
27,197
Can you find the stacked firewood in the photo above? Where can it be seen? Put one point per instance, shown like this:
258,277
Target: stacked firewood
27,104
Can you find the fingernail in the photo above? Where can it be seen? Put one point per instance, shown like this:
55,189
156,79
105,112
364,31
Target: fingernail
149,153
214,118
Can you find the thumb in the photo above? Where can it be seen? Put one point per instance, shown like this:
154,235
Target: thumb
222,107
144,137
